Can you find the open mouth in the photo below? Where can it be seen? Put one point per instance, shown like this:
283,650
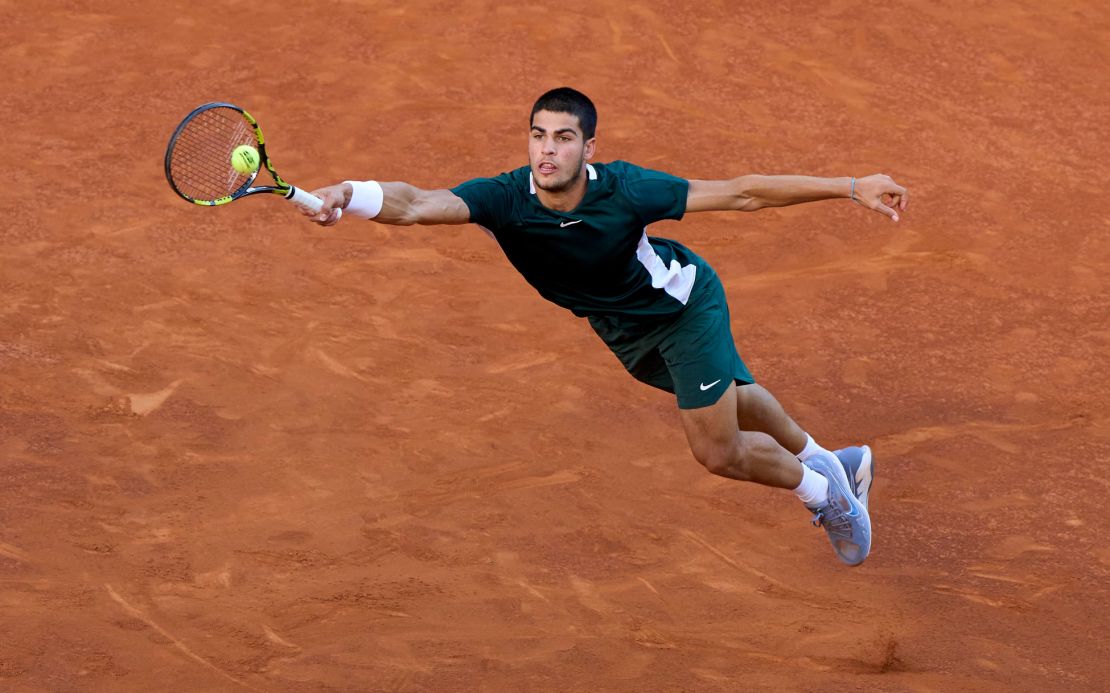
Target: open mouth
547,168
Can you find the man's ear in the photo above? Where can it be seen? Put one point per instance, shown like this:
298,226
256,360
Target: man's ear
591,145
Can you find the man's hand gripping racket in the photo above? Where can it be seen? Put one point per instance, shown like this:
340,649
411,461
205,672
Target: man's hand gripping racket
198,160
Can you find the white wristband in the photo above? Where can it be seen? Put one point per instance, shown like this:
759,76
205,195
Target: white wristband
366,198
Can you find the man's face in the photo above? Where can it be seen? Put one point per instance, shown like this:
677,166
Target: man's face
557,152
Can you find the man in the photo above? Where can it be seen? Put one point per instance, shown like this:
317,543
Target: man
576,232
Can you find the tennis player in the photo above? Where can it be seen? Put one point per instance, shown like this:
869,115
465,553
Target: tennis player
577,233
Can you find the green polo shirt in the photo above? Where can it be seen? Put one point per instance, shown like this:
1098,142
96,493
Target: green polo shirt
597,259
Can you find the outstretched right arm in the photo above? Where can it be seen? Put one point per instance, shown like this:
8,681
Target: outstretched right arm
401,204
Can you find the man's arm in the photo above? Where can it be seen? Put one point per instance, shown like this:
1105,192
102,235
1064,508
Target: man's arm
401,204
749,193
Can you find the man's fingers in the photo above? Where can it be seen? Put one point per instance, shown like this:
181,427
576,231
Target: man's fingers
327,216
880,207
332,217
330,212
325,196
880,193
899,196
308,211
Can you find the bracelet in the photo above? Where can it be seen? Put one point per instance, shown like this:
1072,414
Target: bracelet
366,198
852,194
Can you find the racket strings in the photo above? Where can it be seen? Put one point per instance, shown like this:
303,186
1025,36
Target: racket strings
200,163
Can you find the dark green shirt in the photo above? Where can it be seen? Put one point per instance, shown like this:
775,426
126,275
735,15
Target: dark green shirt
596,259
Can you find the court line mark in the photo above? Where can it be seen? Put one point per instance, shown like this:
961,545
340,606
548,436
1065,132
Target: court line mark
532,590
274,637
14,553
785,591
137,613
986,431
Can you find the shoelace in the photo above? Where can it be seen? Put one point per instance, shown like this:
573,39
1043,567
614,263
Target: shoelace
838,522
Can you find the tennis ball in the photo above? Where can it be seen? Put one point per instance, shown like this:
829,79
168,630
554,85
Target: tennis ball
245,159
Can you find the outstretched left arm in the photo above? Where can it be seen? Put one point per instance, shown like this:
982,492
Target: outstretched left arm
749,193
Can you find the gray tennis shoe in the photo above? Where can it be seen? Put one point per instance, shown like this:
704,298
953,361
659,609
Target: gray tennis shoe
859,467
843,516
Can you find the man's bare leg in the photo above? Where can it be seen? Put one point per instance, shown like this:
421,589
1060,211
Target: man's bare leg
718,443
758,410
754,456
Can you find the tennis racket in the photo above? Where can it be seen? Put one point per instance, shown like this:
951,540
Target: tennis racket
198,159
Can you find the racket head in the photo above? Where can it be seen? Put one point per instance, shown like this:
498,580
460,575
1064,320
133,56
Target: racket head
198,156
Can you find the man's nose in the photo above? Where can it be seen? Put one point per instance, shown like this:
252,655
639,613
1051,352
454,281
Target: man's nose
549,145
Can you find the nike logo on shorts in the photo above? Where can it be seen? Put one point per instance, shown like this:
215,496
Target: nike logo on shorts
564,224
706,387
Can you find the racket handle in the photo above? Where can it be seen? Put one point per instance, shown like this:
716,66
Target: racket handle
306,199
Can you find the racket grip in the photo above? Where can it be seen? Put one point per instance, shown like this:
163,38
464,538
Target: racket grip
307,199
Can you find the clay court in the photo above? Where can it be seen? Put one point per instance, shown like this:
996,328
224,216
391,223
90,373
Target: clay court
239,451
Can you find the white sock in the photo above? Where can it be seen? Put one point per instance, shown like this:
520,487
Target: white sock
814,489
811,449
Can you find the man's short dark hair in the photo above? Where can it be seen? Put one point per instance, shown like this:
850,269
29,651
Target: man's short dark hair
572,101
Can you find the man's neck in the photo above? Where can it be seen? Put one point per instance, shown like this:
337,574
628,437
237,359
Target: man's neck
564,200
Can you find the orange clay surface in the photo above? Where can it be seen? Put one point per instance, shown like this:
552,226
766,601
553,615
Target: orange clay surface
238,451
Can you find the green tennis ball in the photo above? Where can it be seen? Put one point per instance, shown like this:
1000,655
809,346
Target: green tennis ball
245,159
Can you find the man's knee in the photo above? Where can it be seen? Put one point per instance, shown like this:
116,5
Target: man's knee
724,457
737,458
718,461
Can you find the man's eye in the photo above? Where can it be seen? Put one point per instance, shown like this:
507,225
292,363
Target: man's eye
564,138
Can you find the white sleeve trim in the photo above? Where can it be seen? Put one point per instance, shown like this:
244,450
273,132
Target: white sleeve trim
366,200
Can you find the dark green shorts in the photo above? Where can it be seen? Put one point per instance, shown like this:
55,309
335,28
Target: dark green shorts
691,355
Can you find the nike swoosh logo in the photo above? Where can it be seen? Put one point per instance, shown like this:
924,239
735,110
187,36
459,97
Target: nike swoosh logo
568,223
706,387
